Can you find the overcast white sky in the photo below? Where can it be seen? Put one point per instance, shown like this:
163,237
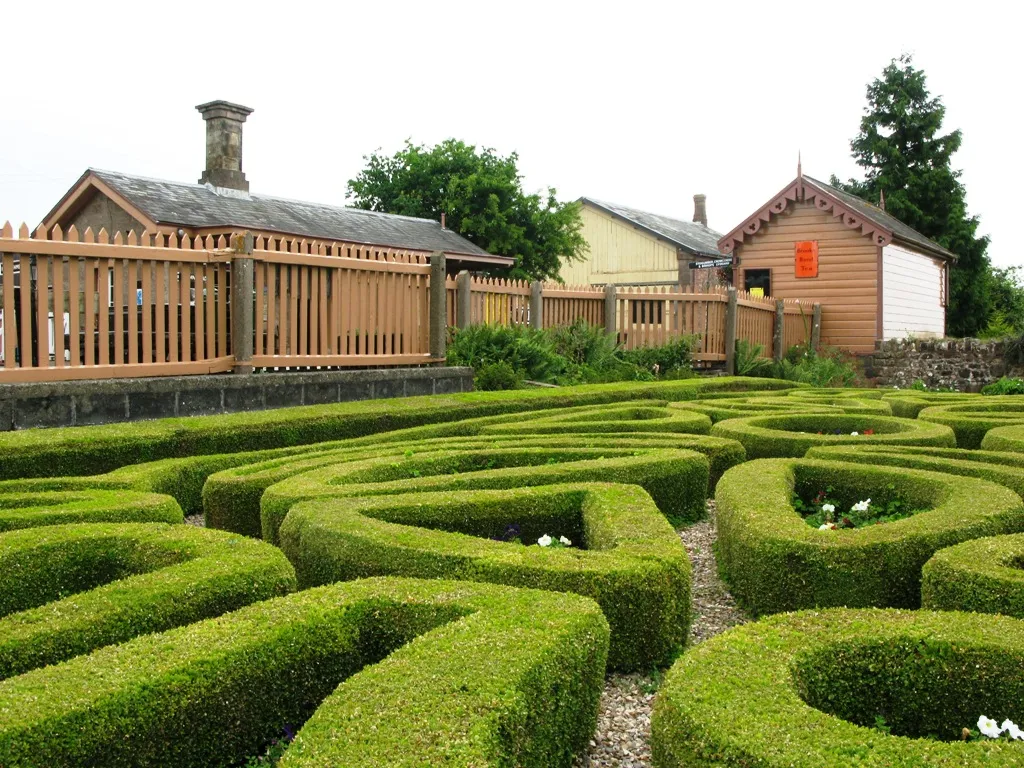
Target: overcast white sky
638,103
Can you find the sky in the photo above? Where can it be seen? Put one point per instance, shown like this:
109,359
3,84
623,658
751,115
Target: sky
641,104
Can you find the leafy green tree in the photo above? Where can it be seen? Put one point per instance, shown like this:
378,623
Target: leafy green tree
907,157
482,195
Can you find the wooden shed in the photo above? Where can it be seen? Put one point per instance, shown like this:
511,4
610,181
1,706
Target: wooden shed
875,277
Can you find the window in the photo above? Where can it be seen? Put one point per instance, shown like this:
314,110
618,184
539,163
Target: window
758,278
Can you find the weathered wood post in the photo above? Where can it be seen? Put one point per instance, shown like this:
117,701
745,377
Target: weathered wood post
610,304
463,307
537,304
816,328
438,307
730,331
242,316
780,333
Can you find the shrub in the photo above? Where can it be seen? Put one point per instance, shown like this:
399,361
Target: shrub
825,368
981,576
672,359
971,420
749,360
1004,439
773,561
805,690
525,350
66,590
619,420
792,434
32,505
908,404
1005,386
493,676
497,376
624,553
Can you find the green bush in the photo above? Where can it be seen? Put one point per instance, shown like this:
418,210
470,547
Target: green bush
497,376
972,419
624,554
525,350
610,419
66,590
389,672
672,359
28,505
749,360
1004,439
1005,386
773,561
825,368
792,434
981,576
806,689
908,404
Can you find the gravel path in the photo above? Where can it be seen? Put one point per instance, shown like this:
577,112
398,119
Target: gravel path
622,738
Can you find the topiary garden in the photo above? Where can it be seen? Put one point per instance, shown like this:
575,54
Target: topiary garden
447,580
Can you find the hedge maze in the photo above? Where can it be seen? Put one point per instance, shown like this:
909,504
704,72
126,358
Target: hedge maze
373,579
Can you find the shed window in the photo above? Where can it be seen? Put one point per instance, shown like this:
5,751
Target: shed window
758,278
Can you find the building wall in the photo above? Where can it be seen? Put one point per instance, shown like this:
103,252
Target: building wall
911,294
103,213
846,285
621,254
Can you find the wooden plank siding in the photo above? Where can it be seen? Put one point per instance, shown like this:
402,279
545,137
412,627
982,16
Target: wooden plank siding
847,281
620,253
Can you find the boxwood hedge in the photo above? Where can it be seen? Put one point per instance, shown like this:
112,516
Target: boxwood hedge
69,589
908,403
625,555
31,505
1004,439
971,420
790,435
804,690
983,576
619,420
389,672
774,561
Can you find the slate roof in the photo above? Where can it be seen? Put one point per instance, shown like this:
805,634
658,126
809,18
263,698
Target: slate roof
691,236
197,205
877,216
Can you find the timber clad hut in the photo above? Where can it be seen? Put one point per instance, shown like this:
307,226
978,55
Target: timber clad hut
627,247
220,203
875,277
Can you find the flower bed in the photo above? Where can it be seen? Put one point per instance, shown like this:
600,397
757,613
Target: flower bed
66,590
493,676
623,552
972,420
983,576
791,435
773,561
808,690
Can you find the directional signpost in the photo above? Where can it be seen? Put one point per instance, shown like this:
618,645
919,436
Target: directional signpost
712,264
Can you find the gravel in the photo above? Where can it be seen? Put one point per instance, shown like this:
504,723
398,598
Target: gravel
197,520
622,738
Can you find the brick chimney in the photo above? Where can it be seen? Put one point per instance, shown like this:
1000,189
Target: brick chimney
700,209
224,144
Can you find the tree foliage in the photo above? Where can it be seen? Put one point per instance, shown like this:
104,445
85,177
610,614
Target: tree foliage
905,155
482,195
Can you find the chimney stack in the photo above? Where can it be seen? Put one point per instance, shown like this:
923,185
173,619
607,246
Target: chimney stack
700,209
224,144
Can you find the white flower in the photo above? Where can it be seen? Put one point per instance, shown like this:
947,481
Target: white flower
544,541
861,506
854,434
827,527
1011,728
988,727
565,541
830,508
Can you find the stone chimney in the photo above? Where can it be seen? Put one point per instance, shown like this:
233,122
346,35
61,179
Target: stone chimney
224,144
700,209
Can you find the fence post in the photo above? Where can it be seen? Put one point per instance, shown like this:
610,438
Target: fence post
816,327
609,309
438,306
537,304
242,316
730,331
780,333
463,307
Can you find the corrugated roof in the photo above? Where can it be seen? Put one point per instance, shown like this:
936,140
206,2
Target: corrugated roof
691,236
197,205
880,218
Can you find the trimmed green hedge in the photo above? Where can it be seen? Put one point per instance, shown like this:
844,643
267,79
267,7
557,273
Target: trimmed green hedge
676,479
1004,439
66,590
74,451
628,419
721,409
982,576
908,403
804,690
773,561
971,420
791,435
1003,468
32,504
399,672
625,555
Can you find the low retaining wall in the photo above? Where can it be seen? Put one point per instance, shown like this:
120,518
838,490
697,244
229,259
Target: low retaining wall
73,403
962,364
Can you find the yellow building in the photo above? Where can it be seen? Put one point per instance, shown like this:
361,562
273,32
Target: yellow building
631,247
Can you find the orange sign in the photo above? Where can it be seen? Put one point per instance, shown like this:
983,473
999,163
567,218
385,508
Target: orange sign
807,259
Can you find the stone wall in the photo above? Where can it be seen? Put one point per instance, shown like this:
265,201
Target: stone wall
962,364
